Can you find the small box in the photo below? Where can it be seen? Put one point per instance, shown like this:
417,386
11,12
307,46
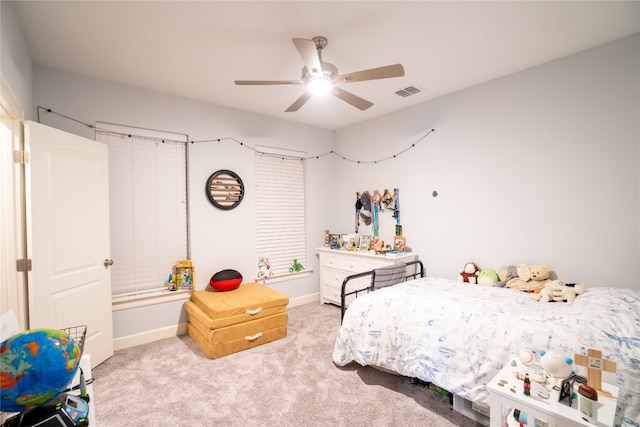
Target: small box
184,278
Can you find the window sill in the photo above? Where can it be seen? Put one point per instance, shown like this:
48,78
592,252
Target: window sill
284,277
161,297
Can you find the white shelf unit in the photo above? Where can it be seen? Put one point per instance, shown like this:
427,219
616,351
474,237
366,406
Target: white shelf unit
336,265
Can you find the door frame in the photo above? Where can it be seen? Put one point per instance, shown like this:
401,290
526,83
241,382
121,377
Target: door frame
13,201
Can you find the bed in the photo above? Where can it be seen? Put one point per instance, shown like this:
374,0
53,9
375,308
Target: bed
458,336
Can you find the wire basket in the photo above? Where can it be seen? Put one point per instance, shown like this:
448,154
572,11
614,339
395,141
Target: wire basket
78,334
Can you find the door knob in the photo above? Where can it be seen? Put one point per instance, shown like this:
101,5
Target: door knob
108,263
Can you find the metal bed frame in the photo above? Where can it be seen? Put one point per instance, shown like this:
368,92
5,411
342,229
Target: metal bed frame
418,271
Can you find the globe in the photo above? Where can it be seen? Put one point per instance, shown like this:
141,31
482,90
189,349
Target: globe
36,366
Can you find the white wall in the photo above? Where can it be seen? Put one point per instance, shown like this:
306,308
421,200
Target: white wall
15,61
219,239
539,167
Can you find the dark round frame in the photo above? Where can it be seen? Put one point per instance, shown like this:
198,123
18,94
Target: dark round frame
224,189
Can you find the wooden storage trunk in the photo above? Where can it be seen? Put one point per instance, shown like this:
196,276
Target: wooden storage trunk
221,323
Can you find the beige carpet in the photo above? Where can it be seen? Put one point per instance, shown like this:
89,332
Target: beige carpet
289,382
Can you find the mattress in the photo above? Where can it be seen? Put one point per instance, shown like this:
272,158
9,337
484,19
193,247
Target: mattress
222,323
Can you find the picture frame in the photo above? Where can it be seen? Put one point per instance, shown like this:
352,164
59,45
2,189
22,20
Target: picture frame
365,242
399,243
334,241
377,245
353,242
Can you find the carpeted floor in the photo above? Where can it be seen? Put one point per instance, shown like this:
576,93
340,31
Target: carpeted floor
289,382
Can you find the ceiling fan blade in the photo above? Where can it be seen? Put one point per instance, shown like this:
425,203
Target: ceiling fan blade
268,82
395,70
299,102
307,50
349,98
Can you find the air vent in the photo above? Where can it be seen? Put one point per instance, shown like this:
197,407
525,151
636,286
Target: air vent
408,91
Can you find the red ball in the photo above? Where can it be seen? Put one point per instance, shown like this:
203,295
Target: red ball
225,280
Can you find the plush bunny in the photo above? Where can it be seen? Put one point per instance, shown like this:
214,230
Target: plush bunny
558,291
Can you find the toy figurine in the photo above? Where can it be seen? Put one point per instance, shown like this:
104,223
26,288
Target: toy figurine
296,266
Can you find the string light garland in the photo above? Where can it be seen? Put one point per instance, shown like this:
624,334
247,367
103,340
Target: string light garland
242,144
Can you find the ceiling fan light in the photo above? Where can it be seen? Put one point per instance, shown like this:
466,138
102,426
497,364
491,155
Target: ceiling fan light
319,85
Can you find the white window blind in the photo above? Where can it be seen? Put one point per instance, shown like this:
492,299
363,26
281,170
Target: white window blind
280,216
148,206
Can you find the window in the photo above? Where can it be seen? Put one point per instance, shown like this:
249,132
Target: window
148,206
280,216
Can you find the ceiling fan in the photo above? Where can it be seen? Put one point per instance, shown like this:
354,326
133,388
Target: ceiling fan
321,76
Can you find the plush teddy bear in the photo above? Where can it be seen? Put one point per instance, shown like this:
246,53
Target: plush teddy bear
530,278
469,273
557,291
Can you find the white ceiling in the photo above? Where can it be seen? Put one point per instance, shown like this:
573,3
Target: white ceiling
197,49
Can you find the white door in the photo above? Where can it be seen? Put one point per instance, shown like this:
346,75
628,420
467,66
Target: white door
68,236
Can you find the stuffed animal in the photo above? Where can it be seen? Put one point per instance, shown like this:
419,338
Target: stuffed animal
469,273
555,364
506,274
530,278
488,278
558,291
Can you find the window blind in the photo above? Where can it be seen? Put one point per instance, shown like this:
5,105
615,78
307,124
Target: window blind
148,206
280,214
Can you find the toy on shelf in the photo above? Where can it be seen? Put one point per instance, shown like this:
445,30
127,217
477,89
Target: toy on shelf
264,268
296,266
183,276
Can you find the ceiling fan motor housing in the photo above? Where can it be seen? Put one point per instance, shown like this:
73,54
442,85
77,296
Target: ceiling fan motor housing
329,71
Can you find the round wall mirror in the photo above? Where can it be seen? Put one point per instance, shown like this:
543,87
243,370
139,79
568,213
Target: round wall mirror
224,189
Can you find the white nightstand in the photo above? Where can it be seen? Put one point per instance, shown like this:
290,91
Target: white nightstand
506,393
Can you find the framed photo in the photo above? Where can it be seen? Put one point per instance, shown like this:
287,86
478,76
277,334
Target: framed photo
334,241
353,242
399,243
365,242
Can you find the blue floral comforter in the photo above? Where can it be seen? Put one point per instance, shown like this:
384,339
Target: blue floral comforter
459,336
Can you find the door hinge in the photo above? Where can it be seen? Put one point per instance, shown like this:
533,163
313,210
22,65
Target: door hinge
23,264
21,157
